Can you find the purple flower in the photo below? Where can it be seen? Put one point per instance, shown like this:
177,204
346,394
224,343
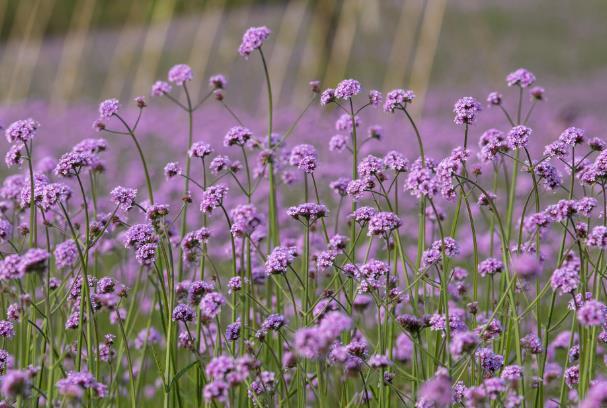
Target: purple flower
494,386
216,390
210,305
521,77
396,161
197,290
532,343
490,266
218,81
10,267
526,266
160,88
108,108
192,242
383,223
327,96
436,392
66,254
34,260
463,342
14,156
421,180
491,143
537,93
346,123
200,150
572,136
512,373
304,157
16,383
220,163
489,361
340,186
172,169
237,136
375,98
273,322
465,110
21,130
592,313
565,280
308,211
596,396
213,198
494,98
253,39
572,376
124,197
139,235
6,228
518,137
372,275
7,329
311,342
363,215
550,177
357,188
371,166
338,143
597,237
403,348
183,313
146,254
180,74
398,99
279,260
76,384
379,361
156,211
70,163
347,88
245,219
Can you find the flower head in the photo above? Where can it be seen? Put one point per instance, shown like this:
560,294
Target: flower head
21,130
180,74
521,77
465,110
253,39
108,108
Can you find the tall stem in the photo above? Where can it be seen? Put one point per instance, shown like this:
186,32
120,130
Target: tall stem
148,180
272,211
188,164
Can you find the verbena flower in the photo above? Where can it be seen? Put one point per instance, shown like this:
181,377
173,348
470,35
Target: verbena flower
213,197
180,74
347,88
465,110
398,99
253,39
521,77
21,131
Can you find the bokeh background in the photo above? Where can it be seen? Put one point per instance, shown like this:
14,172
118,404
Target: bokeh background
64,51
58,58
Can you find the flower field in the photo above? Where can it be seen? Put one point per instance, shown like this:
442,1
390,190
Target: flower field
187,252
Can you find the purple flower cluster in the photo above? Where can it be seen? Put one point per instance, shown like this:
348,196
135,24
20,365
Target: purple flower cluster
253,39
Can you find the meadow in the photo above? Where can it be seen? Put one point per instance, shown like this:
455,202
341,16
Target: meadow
190,252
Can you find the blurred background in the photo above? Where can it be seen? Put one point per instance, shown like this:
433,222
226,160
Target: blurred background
59,58
64,51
